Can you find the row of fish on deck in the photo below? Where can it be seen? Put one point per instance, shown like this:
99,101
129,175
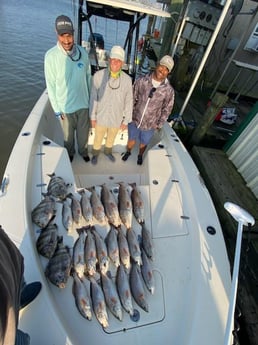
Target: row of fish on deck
118,267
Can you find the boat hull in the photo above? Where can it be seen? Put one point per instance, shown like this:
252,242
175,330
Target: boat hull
191,268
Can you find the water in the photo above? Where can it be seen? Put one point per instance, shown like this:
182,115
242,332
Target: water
27,32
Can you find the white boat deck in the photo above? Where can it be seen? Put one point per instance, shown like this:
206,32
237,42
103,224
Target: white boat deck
190,303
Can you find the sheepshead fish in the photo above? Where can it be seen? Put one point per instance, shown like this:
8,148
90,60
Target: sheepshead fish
124,290
57,187
137,287
97,206
125,205
67,217
147,242
134,246
76,208
102,253
59,265
47,240
123,247
98,302
147,273
44,211
81,296
110,206
111,296
138,204
90,253
87,212
112,246
78,259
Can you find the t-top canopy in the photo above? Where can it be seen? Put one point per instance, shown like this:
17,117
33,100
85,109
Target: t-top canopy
130,5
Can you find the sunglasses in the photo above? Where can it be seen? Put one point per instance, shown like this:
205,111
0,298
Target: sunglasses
152,92
114,84
75,60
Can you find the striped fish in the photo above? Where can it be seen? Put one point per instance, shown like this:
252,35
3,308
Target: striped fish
44,212
57,187
47,240
59,265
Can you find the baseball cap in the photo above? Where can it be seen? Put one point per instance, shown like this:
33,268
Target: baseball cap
168,62
64,25
117,52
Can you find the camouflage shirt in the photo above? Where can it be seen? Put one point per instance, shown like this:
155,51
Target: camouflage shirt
158,108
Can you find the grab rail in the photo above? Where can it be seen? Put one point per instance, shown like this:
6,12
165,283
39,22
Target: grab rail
243,218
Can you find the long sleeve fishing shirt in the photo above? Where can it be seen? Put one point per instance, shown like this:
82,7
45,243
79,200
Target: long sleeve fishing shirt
68,80
159,106
111,101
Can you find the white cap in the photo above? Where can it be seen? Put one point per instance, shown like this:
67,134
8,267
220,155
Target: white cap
117,52
168,62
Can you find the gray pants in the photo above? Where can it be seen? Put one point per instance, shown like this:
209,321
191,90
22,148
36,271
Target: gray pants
78,122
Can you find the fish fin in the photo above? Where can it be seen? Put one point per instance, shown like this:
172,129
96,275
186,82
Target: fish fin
79,230
133,184
81,191
139,238
109,275
59,239
51,219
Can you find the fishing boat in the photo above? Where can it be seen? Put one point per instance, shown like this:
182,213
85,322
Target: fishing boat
189,302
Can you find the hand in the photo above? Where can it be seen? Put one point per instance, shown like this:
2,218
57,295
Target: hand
60,115
93,123
123,127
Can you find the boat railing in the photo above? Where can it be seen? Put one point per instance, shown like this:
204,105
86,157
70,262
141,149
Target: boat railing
244,219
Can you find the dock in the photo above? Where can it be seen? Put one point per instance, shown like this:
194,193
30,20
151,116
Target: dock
225,184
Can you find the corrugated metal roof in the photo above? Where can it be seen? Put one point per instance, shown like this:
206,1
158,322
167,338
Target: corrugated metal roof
244,154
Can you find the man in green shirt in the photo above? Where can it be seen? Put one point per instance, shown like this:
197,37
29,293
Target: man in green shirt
68,80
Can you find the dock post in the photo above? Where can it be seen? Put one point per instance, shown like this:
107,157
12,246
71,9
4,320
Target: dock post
217,102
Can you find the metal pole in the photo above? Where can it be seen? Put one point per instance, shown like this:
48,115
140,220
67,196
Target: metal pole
243,218
230,320
234,53
233,81
179,33
235,100
206,54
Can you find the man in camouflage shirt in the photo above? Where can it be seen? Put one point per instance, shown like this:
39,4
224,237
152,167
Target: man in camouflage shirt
153,103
